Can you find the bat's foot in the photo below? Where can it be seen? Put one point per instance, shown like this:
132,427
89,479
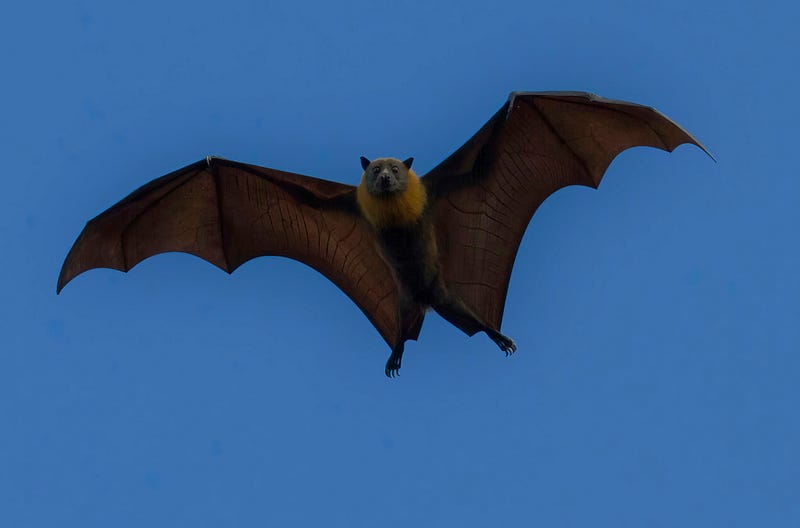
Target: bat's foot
505,343
393,364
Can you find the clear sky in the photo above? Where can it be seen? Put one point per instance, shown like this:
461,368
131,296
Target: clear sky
656,381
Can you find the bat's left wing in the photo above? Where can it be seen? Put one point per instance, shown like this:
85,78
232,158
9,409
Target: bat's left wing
227,213
485,193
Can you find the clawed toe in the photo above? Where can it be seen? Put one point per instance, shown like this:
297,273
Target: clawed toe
393,366
505,343
509,348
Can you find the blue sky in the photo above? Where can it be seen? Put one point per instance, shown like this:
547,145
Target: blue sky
656,318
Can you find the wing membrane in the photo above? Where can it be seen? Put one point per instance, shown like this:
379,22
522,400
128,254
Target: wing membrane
485,194
228,213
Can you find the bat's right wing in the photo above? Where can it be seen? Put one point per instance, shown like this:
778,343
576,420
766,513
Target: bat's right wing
485,193
228,213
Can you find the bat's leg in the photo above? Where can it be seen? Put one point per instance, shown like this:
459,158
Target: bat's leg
453,309
411,316
505,343
393,364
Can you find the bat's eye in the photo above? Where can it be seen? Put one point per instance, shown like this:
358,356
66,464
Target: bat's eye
376,170
395,169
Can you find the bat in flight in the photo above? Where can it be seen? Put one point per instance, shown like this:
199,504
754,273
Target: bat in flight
397,244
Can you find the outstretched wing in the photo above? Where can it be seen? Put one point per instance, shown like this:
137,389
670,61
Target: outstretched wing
228,213
484,194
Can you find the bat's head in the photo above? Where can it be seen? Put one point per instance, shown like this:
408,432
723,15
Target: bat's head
385,177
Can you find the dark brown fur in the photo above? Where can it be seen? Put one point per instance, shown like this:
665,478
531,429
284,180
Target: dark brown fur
412,254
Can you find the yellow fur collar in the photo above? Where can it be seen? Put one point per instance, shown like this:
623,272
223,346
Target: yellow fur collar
396,210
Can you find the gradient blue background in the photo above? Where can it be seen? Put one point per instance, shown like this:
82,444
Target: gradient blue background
657,318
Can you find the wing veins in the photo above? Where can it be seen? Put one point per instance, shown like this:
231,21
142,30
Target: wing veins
553,129
222,238
149,206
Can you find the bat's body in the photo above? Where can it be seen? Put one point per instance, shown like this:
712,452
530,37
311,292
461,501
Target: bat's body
397,244
400,217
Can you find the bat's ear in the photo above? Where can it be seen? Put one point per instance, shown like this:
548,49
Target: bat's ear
408,162
365,163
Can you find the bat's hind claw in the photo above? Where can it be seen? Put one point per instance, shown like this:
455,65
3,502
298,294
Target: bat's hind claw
393,364
505,343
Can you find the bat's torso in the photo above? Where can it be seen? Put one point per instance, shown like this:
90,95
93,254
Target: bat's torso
411,252
405,233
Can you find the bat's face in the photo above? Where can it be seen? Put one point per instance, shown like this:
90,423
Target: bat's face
386,176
